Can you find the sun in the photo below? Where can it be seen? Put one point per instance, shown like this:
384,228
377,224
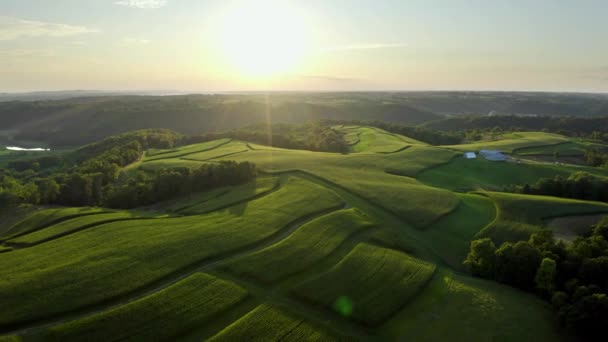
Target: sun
264,38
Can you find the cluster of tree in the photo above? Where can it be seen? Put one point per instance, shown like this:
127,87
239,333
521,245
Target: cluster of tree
579,185
428,136
93,175
574,276
144,188
596,158
313,136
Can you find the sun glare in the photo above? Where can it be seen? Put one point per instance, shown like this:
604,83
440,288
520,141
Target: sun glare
264,38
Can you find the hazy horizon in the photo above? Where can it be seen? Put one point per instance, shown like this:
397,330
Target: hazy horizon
313,46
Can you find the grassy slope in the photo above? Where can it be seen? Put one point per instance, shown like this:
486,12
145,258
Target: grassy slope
462,308
510,142
464,174
84,268
185,150
365,276
451,235
68,226
47,217
181,307
218,198
520,215
310,244
270,323
453,305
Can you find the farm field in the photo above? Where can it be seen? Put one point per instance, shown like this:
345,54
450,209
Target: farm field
362,246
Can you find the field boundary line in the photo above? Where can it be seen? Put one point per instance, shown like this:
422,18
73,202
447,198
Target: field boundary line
52,223
186,154
166,280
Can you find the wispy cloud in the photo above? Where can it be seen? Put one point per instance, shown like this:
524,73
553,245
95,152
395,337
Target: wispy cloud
15,28
134,41
145,4
365,46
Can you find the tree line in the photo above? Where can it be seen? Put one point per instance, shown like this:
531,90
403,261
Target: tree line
93,175
579,185
573,276
312,136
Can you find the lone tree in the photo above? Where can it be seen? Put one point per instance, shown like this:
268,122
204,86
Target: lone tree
481,259
545,276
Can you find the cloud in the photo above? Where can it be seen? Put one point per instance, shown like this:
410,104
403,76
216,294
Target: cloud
366,46
145,4
134,41
15,28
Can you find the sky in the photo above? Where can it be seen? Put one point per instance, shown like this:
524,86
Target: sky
316,45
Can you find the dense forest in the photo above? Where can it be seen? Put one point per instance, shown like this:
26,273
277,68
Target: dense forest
573,277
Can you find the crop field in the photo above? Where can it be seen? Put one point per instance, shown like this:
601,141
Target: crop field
510,142
310,244
472,174
187,150
78,267
374,140
269,323
221,198
47,217
358,285
518,216
366,245
181,307
70,226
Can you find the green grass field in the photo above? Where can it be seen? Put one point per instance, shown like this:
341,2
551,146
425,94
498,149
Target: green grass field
358,285
71,226
98,264
220,198
269,323
518,216
366,245
186,150
471,174
48,217
182,307
309,245
511,142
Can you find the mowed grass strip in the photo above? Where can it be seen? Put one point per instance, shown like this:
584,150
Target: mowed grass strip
72,225
369,285
115,259
310,244
518,216
41,219
225,196
186,150
270,323
162,316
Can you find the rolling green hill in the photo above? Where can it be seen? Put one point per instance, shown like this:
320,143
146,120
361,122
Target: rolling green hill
321,246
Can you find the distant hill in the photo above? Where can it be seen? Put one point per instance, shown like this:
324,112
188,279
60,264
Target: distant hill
83,120
75,121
